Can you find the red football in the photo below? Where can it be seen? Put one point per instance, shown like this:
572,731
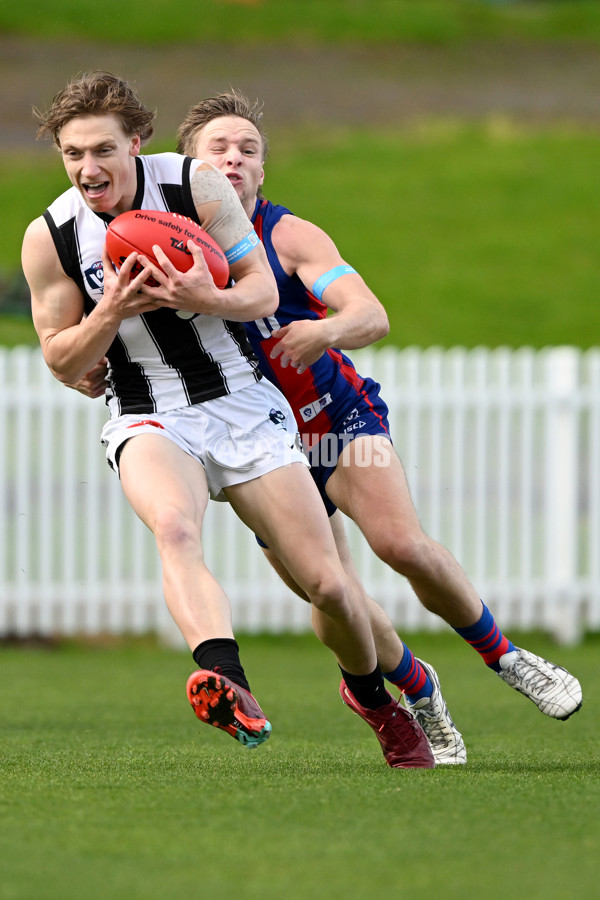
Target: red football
139,230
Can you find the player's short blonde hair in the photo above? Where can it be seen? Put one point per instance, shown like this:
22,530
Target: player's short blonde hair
96,94
228,103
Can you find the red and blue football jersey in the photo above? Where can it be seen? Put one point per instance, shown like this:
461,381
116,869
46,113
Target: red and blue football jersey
324,394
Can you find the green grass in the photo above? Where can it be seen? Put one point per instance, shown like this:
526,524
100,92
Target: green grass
371,21
470,234
16,331
111,789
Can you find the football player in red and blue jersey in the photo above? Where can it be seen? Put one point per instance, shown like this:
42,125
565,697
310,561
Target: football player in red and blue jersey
344,427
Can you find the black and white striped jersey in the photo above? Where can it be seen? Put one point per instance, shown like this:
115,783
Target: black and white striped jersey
164,359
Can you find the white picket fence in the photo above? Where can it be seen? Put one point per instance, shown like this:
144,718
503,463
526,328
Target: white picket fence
501,449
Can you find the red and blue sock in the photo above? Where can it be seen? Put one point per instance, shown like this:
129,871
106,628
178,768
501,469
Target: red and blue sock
410,677
485,637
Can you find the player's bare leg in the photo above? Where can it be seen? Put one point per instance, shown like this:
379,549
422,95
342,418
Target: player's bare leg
388,645
377,497
429,707
286,511
173,509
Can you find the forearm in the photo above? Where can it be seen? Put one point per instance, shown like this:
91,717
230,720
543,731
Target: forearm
303,341
253,297
350,329
72,352
254,292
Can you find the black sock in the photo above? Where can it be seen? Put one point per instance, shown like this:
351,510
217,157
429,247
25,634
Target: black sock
221,655
369,690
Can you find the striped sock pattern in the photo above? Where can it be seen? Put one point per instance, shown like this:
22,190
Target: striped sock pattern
410,677
485,637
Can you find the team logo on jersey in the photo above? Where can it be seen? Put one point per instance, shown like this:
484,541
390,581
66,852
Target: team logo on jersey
311,410
354,426
276,416
350,423
94,276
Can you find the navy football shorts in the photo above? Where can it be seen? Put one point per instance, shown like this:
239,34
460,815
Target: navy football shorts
367,416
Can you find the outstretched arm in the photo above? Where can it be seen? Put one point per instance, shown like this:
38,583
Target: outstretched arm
359,318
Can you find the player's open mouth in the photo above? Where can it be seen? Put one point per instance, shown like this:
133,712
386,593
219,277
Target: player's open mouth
96,189
235,179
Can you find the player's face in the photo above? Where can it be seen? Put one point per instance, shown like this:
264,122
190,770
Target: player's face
99,159
234,146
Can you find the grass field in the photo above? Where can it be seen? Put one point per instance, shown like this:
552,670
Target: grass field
470,234
111,788
329,20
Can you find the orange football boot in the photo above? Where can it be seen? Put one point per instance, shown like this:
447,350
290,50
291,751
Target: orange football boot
220,702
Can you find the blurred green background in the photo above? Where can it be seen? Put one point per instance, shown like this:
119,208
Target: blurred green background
450,148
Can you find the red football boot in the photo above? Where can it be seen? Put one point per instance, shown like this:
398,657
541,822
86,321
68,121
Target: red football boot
402,739
220,702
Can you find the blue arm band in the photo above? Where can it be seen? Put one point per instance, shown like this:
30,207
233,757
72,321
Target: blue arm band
242,248
326,279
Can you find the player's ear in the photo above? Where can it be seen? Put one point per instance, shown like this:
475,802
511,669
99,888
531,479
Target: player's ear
135,146
262,178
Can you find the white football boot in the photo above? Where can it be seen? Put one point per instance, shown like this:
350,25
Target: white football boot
434,718
554,691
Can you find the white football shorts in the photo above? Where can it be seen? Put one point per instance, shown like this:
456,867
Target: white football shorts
236,437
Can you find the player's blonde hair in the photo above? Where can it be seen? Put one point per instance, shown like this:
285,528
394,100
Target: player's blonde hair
96,94
228,103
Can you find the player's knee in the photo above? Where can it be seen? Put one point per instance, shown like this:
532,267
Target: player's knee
329,593
175,532
408,554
